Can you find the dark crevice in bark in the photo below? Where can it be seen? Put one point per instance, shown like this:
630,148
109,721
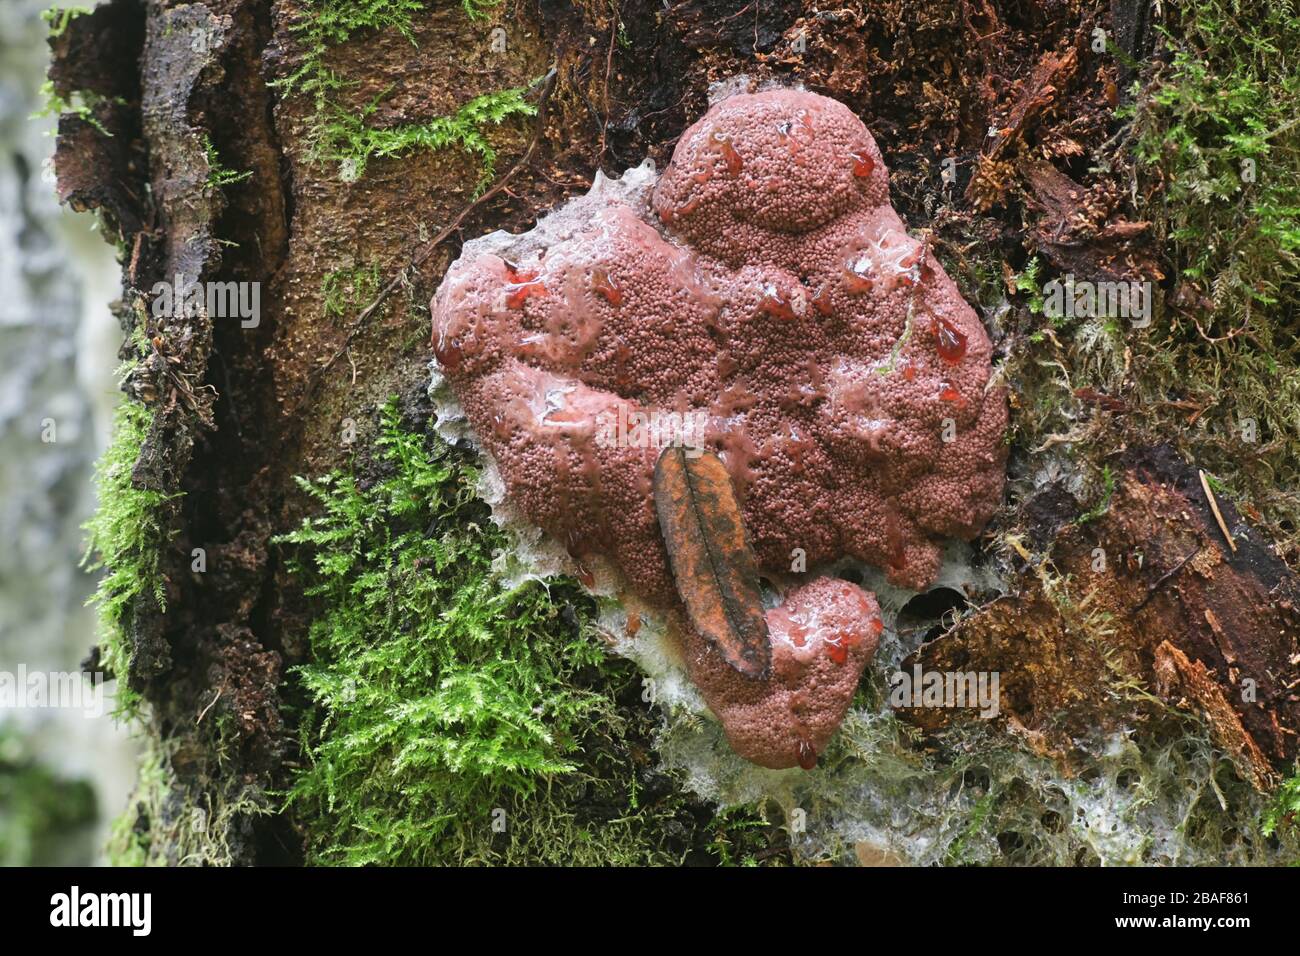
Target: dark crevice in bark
226,508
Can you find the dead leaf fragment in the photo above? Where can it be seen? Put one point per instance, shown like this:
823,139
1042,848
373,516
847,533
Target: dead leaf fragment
713,566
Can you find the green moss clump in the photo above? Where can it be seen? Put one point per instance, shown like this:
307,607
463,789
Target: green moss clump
167,824
328,23
1030,283
1218,162
1219,128
347,140
1285,812
457,721
38,808
347,289
59,17
125,538
339,135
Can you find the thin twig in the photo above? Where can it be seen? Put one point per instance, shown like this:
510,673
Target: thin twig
203,713
1214,507
1164,579
609,66
1216,339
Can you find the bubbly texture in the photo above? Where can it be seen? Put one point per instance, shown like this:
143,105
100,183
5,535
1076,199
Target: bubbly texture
765,291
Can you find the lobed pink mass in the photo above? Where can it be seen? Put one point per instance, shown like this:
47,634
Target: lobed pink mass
767,286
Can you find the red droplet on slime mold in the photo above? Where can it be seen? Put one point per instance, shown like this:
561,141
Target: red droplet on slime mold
949,341
822,300
807,755
774,304
839,645
917,267
733,160
863,164
797,135
857,275
602,284
502,428
580,570
521,286
448,354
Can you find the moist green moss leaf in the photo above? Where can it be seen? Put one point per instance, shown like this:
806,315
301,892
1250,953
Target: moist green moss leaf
124,539
338,134
458,721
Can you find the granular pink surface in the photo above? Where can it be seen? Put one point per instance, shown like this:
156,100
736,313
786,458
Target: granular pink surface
822,635
767,287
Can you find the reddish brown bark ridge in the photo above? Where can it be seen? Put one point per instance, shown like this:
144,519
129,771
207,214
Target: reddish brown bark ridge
1149,596
765,289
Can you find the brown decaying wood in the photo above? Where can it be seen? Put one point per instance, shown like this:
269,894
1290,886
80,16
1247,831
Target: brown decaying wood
1171,609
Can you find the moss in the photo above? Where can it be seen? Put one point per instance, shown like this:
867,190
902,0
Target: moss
445,703
348,289
1216,371
478,9
124,538
339,135
327,23
1284,814
347,140
1218,148
975,796
165,824
976,826
79,103
38,807
1107,492
1228,103
218,175
59,17
129,842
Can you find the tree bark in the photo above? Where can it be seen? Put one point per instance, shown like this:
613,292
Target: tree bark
238,411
